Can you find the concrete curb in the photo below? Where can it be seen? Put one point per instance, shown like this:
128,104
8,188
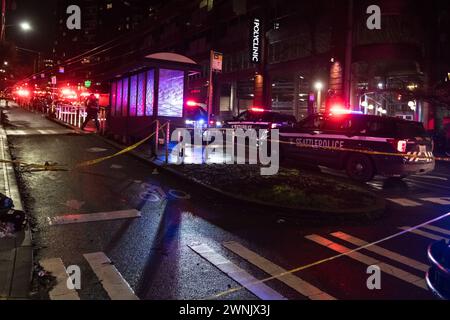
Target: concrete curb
330,216
23,253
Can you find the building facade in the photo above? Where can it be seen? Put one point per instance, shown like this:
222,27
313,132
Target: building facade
399,70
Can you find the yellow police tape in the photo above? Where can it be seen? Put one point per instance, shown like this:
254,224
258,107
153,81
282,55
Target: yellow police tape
47,166
403,155
123,151
57,167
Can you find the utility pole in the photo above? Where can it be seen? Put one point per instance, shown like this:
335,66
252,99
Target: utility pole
3,22
348,56
210,87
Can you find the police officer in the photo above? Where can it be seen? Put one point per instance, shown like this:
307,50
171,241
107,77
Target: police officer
92,112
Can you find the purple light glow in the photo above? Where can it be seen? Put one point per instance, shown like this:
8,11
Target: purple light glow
141,95
170,93
133,95
149,94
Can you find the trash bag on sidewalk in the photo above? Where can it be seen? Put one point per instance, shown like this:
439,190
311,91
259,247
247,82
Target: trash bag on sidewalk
15,217
9,216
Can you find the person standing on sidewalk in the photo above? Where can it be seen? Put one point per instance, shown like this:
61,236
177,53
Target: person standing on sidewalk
92,112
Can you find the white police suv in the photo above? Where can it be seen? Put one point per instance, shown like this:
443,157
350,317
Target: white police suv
362,145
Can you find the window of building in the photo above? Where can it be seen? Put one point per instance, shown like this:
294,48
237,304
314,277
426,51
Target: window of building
150,93
113,98
141,95
133,95
170,93
125,97
119,98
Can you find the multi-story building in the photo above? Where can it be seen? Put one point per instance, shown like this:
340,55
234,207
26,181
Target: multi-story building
396,70
101,21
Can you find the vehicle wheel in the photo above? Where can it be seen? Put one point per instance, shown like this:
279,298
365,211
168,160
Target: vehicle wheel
360,168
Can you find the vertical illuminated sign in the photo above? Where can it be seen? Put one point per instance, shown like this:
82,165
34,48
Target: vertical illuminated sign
256,33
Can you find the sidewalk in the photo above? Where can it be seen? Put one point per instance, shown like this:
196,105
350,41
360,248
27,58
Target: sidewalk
16,253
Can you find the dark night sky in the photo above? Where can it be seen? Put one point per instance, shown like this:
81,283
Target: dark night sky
40,15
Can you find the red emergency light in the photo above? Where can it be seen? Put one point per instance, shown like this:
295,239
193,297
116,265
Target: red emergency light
257,109
191,103
23,93
338,109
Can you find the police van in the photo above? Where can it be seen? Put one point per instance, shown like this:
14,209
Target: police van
362,145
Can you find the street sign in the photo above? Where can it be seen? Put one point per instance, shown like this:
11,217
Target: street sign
216,61
53,79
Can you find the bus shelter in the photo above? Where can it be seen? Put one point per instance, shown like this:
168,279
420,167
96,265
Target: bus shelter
153,89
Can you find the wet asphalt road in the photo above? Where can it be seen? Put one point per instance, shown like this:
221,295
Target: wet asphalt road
152,252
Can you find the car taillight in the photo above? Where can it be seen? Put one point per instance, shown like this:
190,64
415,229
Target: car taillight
399,145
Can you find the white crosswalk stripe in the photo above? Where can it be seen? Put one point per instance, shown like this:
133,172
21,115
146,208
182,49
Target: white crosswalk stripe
239,275
441,201
296,283
93,217
382,251
387,268
60,291
112,281
425,234
34,132
404,202
437,229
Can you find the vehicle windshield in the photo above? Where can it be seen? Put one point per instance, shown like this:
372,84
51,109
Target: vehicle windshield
196,113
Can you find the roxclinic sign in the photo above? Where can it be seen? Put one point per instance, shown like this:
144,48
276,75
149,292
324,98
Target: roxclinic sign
256,32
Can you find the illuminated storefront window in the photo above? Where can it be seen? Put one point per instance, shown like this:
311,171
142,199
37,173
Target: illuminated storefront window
149,93
113,98
125,97
170,93
141,94
133,95
119,98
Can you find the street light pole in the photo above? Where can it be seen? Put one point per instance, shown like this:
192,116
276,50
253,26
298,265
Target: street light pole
3,22
319,86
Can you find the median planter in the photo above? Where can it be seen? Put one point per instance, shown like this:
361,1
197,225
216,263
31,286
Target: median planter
292,192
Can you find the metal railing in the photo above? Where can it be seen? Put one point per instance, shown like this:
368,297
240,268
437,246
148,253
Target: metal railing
76,115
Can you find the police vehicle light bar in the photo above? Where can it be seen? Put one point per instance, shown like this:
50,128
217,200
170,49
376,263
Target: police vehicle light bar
256,109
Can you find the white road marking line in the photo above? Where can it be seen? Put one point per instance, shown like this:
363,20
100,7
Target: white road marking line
112,281
339,255
60,291
424,234
92,217
269,267
404,202
382,252
428,184
96,149
442,201
432,177
4,167
437,229
387,268
246,280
